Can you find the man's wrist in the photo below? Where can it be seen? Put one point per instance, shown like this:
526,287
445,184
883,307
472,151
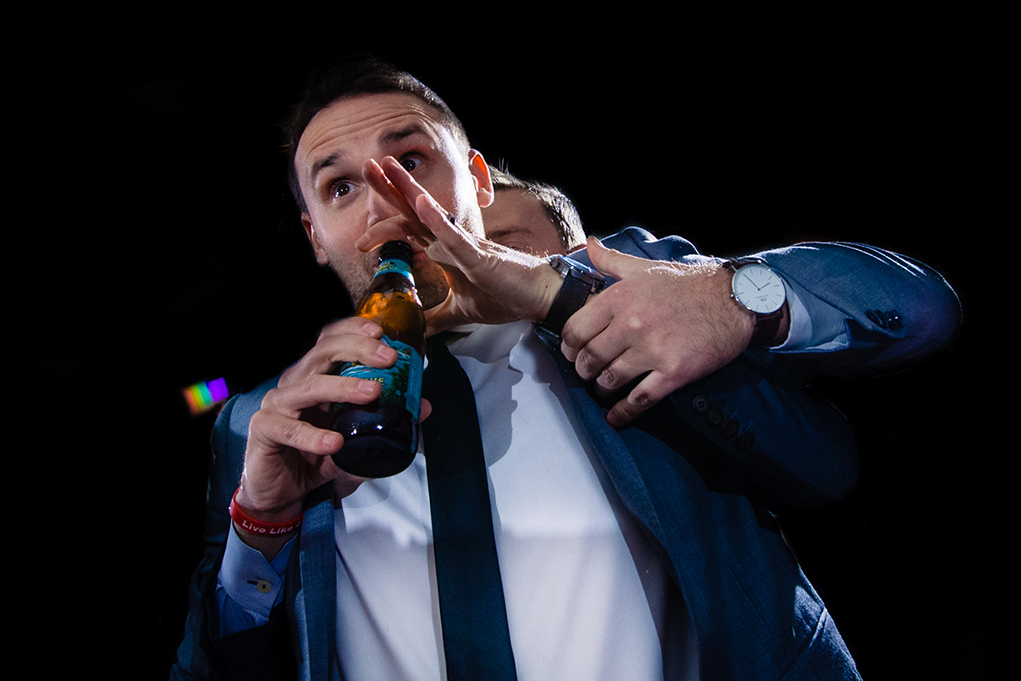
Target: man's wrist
265,531
762,292
267,524
550,282
569,292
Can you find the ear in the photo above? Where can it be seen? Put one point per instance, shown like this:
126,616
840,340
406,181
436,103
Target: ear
480,174
313,238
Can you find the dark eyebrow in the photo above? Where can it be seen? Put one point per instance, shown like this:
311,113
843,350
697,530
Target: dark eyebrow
397,135
324,163
386,139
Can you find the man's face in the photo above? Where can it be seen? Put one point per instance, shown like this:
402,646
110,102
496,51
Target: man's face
341,205
516,219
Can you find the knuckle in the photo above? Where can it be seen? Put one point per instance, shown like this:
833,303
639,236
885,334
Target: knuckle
586,363
640,399
269,402
568,336
307,384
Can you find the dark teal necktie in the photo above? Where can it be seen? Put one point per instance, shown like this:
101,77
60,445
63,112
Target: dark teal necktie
473,613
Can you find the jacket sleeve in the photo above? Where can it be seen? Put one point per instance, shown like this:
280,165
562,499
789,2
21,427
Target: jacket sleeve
193,660
865,311
203,654
870,311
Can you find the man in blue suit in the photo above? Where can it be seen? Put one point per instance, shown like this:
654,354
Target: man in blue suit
632,452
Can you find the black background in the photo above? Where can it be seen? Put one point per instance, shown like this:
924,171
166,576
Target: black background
153,175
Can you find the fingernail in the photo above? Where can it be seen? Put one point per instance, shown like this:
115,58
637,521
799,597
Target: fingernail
367,388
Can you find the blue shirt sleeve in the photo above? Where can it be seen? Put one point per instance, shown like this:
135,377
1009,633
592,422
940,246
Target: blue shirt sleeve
248,586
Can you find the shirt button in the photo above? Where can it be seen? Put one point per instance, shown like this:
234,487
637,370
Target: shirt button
263,586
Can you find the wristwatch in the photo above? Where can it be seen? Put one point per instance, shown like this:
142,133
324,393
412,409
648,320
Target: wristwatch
761,290
579,282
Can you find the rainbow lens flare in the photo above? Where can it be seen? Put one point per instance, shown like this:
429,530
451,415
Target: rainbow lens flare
203,396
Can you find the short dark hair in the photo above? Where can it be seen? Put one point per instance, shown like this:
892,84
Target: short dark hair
351,77
559,209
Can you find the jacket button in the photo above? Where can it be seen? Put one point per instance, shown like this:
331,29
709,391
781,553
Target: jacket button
714,418
730,429
700,404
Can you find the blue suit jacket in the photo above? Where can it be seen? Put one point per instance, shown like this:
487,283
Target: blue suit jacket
697,471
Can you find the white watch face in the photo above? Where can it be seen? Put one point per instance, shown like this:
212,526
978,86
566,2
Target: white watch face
759,288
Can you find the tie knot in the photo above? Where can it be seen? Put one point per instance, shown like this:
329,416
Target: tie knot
439,340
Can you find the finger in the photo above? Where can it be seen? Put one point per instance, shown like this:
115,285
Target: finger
411,193
334,349
442,317
618,373
614,263
293,400
647,393
592,359
458,242
391,229
350,325
270,431
401,184
379,181
588,323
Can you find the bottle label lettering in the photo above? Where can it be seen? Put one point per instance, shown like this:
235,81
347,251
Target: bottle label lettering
401,383
396,266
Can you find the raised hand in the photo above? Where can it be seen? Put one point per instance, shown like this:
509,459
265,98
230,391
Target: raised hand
489,283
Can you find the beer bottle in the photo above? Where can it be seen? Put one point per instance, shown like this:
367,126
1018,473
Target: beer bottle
380,438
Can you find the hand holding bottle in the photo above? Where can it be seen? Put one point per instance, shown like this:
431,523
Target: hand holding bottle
290,446
381,438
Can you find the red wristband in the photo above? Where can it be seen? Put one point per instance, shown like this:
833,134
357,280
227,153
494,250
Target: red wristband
250,524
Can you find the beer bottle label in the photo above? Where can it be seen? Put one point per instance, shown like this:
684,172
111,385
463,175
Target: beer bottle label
396,266
402,383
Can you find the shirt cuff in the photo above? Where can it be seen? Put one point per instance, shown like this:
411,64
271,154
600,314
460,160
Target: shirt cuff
803,336
250,580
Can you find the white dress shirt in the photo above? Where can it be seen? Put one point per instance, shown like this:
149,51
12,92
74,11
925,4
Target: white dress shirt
587,595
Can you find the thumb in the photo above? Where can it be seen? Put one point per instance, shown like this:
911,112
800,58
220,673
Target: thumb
614,263
442,317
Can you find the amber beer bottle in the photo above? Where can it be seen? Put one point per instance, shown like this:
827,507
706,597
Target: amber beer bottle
380,438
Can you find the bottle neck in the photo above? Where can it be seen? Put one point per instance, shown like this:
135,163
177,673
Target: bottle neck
395,266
